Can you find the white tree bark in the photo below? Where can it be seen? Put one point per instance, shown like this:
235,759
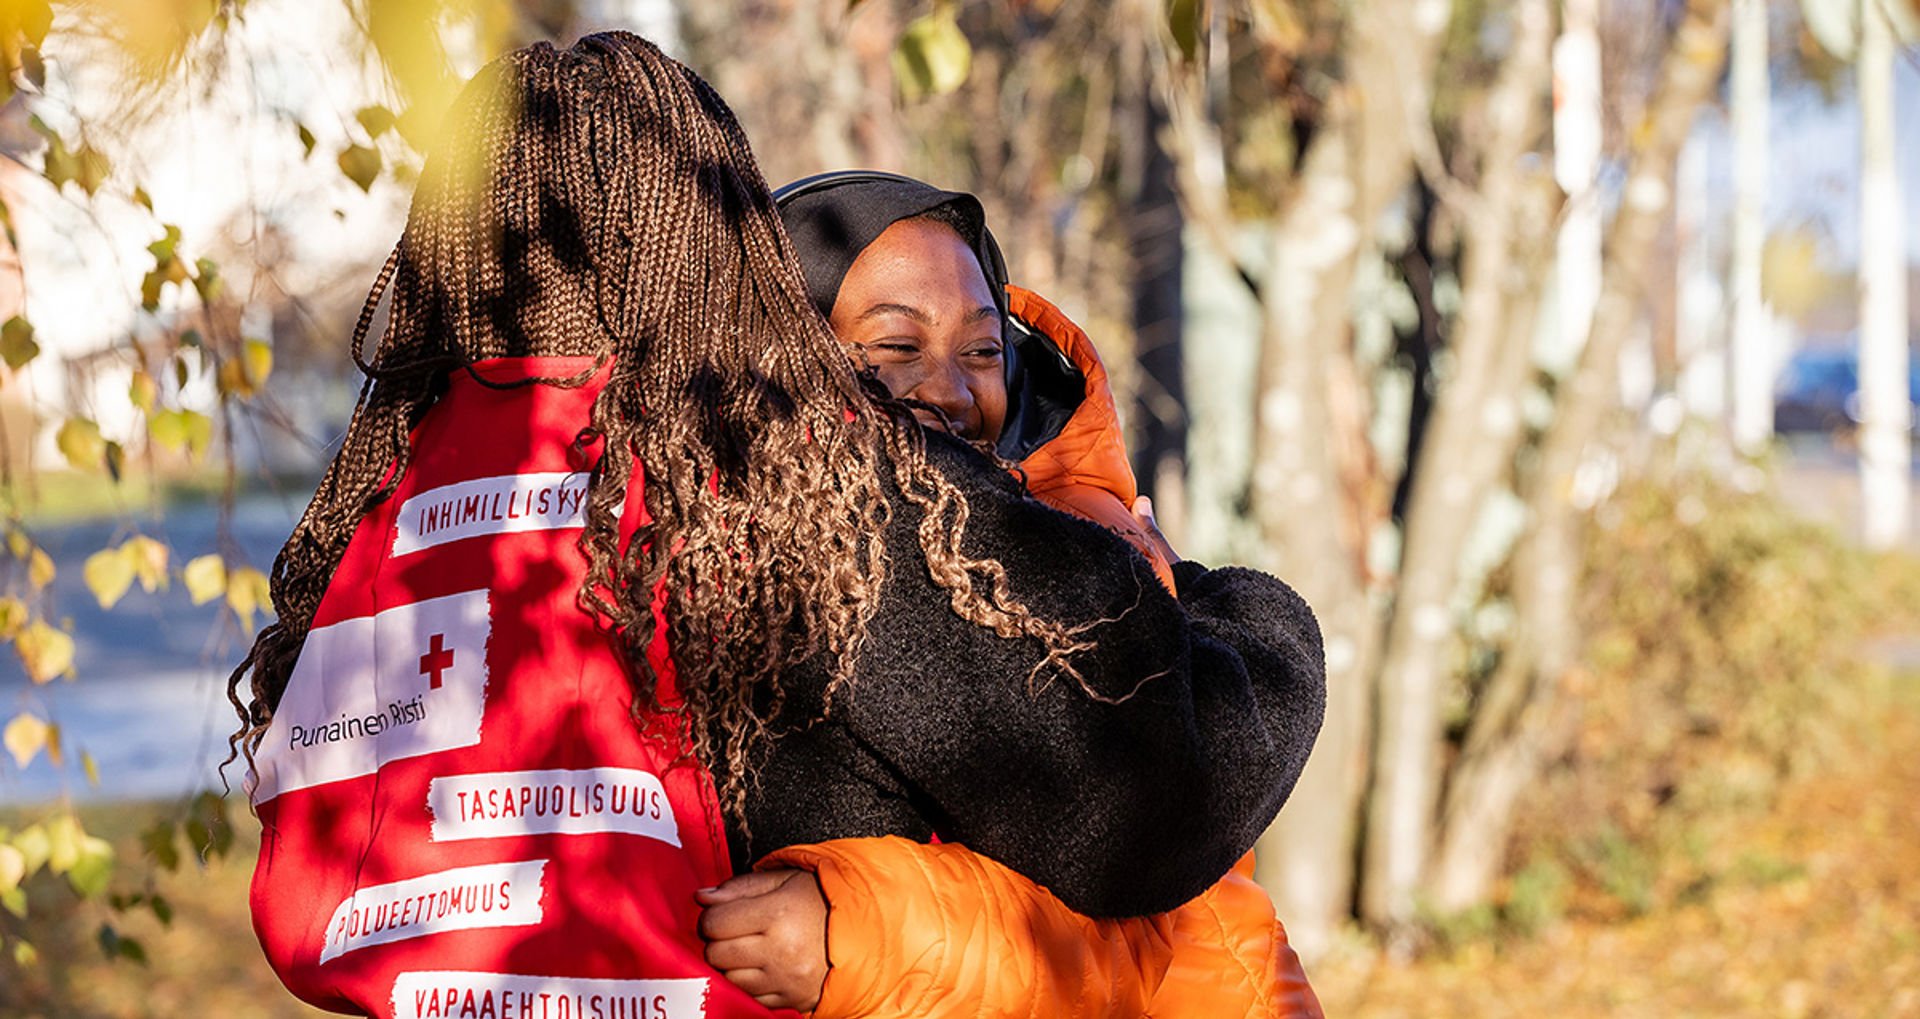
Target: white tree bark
1886,451
1475,426
1752,340
1576,164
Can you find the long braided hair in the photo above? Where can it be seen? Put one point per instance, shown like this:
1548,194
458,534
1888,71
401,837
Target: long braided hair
603,201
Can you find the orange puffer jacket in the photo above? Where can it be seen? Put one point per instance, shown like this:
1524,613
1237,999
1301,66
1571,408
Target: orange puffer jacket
937,931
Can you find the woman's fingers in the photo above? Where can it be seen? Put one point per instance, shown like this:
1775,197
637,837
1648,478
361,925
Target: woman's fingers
768,935
749,953
743,886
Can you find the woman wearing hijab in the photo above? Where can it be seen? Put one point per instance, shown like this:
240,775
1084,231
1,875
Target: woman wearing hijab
911,280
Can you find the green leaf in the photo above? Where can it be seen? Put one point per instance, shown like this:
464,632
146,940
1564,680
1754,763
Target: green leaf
80,442
92,870
361,165
17,347
109,574
162,249
207,827
25,737
933,56
306,140
162,909
118,946
160,845
206,279
206,578
15,901
376,120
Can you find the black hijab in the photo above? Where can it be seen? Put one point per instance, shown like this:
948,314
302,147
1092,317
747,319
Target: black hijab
832,217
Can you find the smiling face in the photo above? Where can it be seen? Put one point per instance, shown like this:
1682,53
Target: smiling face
920,309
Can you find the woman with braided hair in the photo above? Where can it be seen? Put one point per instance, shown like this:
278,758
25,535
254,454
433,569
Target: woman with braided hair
617,544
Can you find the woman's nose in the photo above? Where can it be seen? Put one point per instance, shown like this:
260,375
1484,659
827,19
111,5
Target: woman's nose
946,387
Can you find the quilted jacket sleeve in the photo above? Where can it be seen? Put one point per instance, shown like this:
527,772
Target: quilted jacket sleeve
936,931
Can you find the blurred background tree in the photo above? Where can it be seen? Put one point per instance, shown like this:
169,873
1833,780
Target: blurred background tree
1404,298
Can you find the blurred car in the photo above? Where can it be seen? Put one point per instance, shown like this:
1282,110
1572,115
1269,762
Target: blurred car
1819,391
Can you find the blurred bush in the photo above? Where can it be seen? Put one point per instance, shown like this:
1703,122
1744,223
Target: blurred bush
1729,652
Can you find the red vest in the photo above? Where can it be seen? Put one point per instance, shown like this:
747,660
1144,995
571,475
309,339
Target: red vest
459,817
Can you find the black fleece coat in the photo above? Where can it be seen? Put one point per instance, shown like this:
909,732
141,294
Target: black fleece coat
1120,809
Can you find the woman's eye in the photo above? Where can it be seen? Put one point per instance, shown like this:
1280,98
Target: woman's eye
894,348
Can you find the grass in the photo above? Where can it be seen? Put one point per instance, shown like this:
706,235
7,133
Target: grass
1819,917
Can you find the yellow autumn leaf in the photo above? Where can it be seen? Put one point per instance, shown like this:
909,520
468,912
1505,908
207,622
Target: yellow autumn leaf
108,573
25,737
91,768
19,544
178,430
247,590
143,391
44,651
206,578
232,378
13,867
80,442
13,616
257,356
149,559
64,839
32,843
40,569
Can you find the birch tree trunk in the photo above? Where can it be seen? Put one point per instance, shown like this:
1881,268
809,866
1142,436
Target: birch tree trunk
1752,337
1475,427
1886,409
1522,715
1309,494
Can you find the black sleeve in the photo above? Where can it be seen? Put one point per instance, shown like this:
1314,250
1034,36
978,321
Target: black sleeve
1121,809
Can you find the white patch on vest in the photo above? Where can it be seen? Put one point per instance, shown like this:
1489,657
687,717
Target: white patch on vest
589,801
368,691
462,899
443,994
508,504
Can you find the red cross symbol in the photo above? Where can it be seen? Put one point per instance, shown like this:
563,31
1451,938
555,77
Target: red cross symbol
438,659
